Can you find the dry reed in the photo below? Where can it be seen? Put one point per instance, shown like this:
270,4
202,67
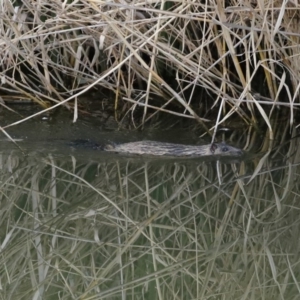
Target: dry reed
182,57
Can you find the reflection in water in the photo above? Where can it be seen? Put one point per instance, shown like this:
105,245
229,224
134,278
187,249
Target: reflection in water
165,229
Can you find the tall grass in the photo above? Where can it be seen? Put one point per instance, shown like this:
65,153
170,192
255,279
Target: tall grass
178,57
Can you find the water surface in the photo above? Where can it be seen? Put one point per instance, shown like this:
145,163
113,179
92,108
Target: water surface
84,224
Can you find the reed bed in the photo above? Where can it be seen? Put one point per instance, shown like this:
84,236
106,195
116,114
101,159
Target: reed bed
178,57
148,230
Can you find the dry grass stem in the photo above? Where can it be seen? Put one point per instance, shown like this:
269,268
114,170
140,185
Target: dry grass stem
194,53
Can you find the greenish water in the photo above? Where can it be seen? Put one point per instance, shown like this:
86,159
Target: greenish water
121,226
83,224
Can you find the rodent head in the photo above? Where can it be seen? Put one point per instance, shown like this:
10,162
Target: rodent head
224,149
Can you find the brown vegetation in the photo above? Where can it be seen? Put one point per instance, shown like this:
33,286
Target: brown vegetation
180,57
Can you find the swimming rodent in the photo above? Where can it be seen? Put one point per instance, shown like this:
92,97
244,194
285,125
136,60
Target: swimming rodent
169,149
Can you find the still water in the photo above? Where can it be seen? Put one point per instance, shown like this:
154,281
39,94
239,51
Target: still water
83,224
